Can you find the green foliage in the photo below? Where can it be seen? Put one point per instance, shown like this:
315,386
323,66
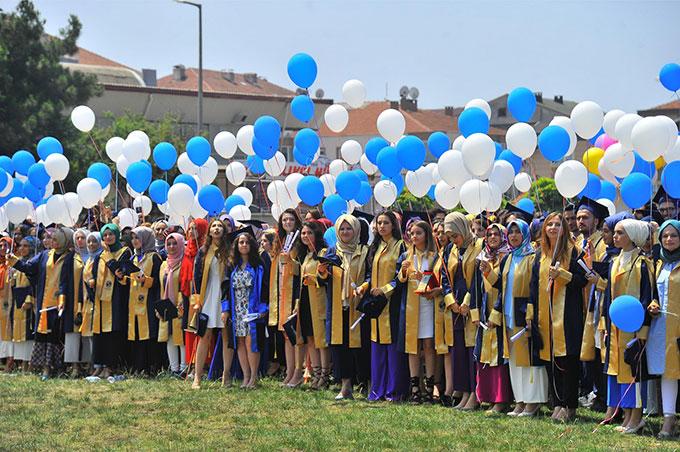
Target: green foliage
406,201
548,196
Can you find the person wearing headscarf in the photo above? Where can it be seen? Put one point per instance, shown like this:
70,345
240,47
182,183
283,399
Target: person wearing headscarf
111,295
23,305
196,234
72,317
160,232
6,346
86,308
663,358
493,377
142,324
457,279
341,296
80,243
630,274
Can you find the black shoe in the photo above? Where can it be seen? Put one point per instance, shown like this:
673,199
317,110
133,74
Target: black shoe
362,388
415,396
599,406
429,390
445,400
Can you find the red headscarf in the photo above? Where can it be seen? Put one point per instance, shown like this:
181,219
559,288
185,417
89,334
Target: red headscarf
3,262
194,242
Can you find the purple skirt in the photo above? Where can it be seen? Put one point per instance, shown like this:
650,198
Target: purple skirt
493,384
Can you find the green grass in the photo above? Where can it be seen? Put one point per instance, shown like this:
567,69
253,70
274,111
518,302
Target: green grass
166,414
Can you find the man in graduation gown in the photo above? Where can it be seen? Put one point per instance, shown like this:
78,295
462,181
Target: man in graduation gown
667,206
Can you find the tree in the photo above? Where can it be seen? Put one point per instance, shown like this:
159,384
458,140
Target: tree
407,201
545,195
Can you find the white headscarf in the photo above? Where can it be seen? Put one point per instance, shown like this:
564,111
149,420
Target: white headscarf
637,231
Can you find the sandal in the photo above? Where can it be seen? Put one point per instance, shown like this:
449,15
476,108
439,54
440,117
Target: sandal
324,379
415,397
429,390
316,378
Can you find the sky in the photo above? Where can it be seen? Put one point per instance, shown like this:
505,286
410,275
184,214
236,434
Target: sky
452,51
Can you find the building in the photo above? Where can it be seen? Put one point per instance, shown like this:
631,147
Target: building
670,109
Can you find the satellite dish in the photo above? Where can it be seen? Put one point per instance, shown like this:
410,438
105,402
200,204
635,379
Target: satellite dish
414,93
403,91
319,93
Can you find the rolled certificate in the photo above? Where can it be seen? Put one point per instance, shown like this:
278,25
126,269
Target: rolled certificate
518,334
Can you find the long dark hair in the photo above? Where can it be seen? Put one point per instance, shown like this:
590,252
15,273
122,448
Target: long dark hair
319,242
396,231
253,253
282,232
222,252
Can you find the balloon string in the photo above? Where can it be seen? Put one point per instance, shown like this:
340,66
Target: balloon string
96,148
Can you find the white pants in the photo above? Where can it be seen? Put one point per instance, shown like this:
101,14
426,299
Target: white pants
177,363
6,349
529,384
77,349
669,395
23,350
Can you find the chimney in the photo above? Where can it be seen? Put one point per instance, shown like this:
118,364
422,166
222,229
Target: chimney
539,97
179,73
228,74
408,104
250,77
394,104
149,77
559,99
448,111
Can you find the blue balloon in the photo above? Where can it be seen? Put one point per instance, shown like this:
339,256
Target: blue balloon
334,206
165,155
231,202
669,76
438,143
347,185
302,70
211,199
627,313
430,193
158,191
636,190
198,150
49,145
670,179
499,149
267,130
397,180
302,158
138,176
365,193
373,147
17,192
33,193
255,164
310,190
388,162
522,104
37,175
553,142
411,152
473,120
186,179
527,205
607,191
264,151
101,172
511,158
6,164
643,166
330,237
307,141
22,161
4,179
592,188
361,175
302,108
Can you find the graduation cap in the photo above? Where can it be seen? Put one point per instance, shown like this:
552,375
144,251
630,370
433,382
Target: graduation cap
231,237
410,216
598,210
257,224
372,305
662,196
519,213
655,216
290,328
570,206
166,309
366,216
486,219
365,223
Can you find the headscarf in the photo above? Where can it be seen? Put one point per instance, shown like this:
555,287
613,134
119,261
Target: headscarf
669,256
175,260
34,246
62,238
458,223
97,237
145,235
159,243
116,232
503,247
230,220
81,251
637,231
343,247
193,243
3,261
525,248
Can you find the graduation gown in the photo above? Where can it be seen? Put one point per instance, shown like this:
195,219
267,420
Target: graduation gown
258,302
142,321
284,289
111,294
23,321
668,352
316,295
490,345
172,330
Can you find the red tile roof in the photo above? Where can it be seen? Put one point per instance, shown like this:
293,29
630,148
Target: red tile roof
92,59
672,105
213,81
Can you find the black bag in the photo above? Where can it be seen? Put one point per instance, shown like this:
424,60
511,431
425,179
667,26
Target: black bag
372,305
636,357
202,324
290,328
166,309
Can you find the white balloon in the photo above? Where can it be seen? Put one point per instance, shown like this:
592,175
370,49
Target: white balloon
452,168
292,181
521,140
458,143
140,135
82,118
609,204
10,186
56,209
49,190
650,138
208,172
354,93
164,208
181,199
236,173
225,144
672,129
245,194
134,149
434,171
89,192
481,104
328,181
391,125
4,221
17,209
185,165
197,211
419,182
132,192
624,129
144,202
474,196
618,160
244,139
571,177
605,173
385,193
336,117
73,209
41,215
366,165
275,165
523,182
57,166
670,155
565,123
105,192
336,167
276,211
447,196
128,218
114,148
502,175
587,118
495,198
277,191
351,151
479,152
609,122
240,213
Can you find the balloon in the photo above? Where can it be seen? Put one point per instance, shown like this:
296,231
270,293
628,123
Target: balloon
502,174
114,148
336,167
523,182
479,152
208,172
347,185
521,104
452,169
619,161
669,76
158,191
225,144
302,158
255,164
388,161
438,143
604,141
267,130
458,143
366,165
473,120
411,152
591,159
607,191
565,123
333,207
670,179
512,159
351,151
624,129
231,202
8,187
365,193
47,146
354,93
307,141
627,313
650,138
610,120
521,140
571,178
642,166
373,147
277,192
302,108
385,193
419,182
391,124
89,192
144,202
609,204
82,118
447,196
17,210
185,165
132,192
672,154
245,194
310,190
302,70
336,117
264,151
198,150
33,193
474,196
133,149
244,138
636,190
240,213
101,172
397,180
236,173
128,218
330,237
587,118
671,129
328,181
210,198
275,165
37,175
553,143
22,161
291,182
6,164
481,104
592,188
181,199
527,205
188,180
165,155
139,176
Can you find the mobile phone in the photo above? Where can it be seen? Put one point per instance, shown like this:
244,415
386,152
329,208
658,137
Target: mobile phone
138,210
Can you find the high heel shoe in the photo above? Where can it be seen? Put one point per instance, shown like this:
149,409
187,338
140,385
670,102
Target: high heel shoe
415,396
324,379
316,378
533,413
634,430
429,390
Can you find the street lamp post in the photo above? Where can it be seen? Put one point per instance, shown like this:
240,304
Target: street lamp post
200,62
